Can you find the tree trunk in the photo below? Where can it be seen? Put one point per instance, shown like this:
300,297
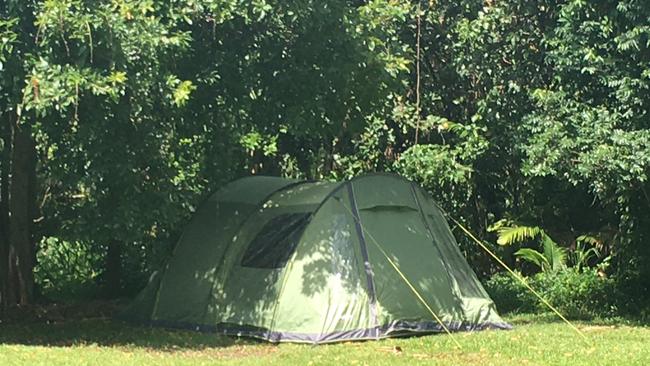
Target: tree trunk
5,156
113,268
17,166
21,203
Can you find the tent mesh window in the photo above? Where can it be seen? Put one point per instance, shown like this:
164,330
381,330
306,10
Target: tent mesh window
276,241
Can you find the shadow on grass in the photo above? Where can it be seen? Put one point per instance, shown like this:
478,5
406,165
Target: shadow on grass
90,323
110,333
60,325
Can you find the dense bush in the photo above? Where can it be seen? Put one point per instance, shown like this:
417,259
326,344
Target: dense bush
575,294
510,295
74,271
67,271
579,294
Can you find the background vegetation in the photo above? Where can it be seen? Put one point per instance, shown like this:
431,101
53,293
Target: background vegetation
527,120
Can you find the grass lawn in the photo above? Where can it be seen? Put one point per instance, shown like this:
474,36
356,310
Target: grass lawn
536,340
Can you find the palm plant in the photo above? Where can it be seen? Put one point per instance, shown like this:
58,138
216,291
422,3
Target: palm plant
586,250
552,258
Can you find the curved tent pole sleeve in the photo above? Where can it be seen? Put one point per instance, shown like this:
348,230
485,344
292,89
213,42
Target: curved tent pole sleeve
372,295
519,278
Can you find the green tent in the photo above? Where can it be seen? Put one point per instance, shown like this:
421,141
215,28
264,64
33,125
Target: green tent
305,261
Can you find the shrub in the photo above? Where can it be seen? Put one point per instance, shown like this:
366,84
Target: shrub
510,295
66,271
575,294
578,294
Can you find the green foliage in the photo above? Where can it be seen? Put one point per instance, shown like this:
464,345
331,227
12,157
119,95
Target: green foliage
181,90
373,151
509,233
67,271
510,295
589,127
575,294
534,257
8,38
553,258
583,254
580,294
533,110
446,170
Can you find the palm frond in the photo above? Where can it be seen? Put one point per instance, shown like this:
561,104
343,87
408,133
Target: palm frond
555,254
582,255
509,235
534,257
591,240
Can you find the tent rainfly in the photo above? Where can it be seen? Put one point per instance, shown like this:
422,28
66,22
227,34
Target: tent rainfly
316,262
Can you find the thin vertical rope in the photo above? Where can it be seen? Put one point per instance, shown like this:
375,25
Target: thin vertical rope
417,75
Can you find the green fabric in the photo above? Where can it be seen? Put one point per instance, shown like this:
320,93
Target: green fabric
322,285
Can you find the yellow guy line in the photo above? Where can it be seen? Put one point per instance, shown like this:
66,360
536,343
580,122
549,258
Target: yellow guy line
417,294
519,278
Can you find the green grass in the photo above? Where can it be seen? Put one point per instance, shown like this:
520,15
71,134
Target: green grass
536,340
